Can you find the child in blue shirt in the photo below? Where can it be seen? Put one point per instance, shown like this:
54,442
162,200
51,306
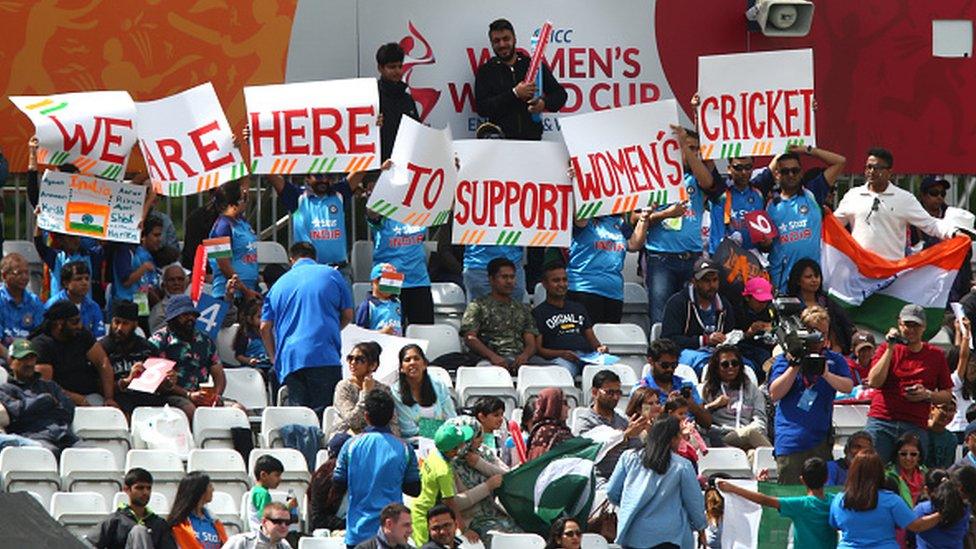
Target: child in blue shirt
381,311
248,347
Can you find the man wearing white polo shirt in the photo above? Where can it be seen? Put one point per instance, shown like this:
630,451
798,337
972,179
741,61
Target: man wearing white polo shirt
879,213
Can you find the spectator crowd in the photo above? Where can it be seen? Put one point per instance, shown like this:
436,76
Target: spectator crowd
713,376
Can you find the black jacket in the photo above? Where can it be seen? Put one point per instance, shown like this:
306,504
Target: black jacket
682,325
496,101
378,542
395,102
39,410
113,531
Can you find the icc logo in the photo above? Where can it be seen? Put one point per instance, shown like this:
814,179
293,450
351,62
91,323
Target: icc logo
418,52
558,36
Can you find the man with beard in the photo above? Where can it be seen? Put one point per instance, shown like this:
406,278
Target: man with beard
68,354
174,283
395,99
662,356
134,524
195,356
697,316
126,352
606,395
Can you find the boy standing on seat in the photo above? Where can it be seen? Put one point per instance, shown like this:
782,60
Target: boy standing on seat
381,311
267,476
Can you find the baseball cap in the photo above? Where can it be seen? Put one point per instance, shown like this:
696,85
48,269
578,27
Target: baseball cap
125,310
970,429
21,348
912,313
930,181
863,339
179,304
451,435
703,266
379,269
759,288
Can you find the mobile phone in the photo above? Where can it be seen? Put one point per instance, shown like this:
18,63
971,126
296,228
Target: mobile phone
646,410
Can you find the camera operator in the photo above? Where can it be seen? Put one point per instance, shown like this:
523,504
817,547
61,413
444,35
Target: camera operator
911,375
803,388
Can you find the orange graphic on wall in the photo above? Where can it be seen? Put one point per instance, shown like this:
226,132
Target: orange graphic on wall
150,49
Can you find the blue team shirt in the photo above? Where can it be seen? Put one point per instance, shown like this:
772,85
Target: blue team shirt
374,466
244,247
91,315
19,320
743,202
376,314
402,246
596,257
89,252
665,238
477,257
875,528
941,536
128,259
63,259
319,220
205,530
306,305
799,225
798,430
677,383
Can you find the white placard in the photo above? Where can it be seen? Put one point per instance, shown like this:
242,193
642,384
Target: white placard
83,205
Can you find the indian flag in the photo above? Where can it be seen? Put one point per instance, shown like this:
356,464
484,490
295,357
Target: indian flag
746,525
218,248
391,282
89,219
874,289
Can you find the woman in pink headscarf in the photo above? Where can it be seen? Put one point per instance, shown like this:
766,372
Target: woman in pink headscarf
549,422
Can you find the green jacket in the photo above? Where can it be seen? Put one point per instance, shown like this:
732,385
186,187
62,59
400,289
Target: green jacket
892,473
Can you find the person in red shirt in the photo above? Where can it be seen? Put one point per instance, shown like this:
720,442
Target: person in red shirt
911,375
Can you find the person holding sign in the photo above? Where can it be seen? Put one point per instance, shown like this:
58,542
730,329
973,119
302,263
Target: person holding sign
381,311
232,248
76,281
506,96
135,277
402,246
395,99
738,197
674,232
797,212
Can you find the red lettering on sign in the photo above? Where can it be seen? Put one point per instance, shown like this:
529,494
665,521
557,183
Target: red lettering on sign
103,125
645,167
297,131
204,150
494,203
757,115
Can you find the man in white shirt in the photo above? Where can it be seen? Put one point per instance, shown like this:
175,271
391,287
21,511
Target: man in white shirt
879,213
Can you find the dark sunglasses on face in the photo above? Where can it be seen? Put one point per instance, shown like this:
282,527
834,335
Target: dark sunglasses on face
936,192
356,359
730,364
668,365
741,167
875,167
789,171
279,522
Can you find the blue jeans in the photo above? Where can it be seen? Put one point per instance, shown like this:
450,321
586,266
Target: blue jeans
572,367
313,387
885,433
476,283
664,276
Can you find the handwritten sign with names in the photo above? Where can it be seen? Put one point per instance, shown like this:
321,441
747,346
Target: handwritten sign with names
83,205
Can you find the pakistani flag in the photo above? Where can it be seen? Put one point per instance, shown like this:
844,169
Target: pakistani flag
746,525
874,289
557,483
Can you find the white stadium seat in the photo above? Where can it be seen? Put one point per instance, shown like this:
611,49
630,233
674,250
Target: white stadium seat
224,506
145,417
726,460
848,419
225,344
270,252
225,467
441,338
533,379
449,298
501,540
103,427
574,416
475,381
360,291
765,460
593,541
622,339
321,543
275,417
212,425
246,386
78,511
166,468
330,417
90,470
29,468
157,502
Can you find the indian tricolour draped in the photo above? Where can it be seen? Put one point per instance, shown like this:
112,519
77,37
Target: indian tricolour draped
874,289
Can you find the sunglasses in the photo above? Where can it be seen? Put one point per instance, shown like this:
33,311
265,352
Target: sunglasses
936,192
279,522
875,168
908,454
741,167
668,365
789,171
612,392
356,359
730,364
572,533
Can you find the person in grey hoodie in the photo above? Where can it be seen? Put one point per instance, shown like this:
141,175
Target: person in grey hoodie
737,405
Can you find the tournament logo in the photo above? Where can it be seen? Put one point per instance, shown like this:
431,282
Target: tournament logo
333,209
804,209
418,52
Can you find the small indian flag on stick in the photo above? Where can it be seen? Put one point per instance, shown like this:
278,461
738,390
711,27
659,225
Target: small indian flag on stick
218,248
390,281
